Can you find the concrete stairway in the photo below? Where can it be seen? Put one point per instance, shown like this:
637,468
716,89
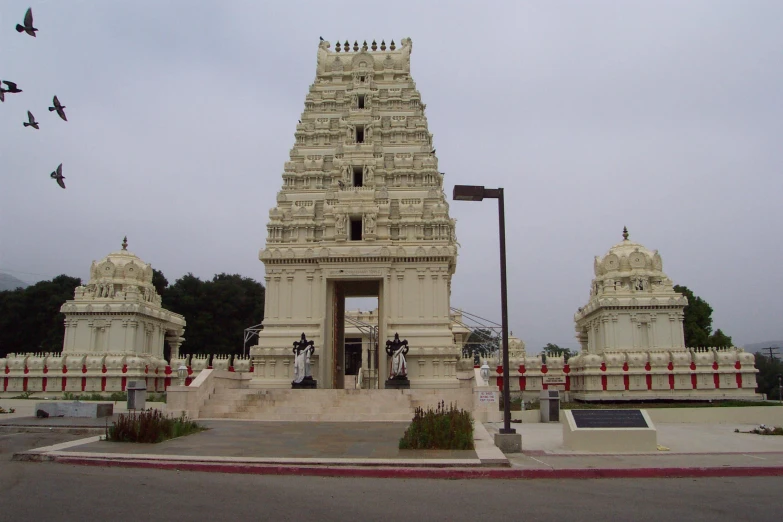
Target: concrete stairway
317,405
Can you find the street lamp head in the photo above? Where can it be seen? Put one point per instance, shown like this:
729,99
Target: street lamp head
468,193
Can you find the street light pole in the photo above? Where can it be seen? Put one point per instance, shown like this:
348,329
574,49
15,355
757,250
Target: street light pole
504,313
478,193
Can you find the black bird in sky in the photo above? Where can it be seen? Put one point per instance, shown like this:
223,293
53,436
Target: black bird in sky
58,175
322,38
433,151
28,23
12,88
2,94
30,121
59,108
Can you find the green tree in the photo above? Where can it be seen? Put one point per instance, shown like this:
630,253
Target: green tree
30,318
217,311
159,281
480,343
553,350
767,379
697,324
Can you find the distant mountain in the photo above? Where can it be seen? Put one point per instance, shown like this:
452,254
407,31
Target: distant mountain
9,282
759,347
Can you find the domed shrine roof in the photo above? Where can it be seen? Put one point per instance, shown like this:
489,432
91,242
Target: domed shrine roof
120,276
122,264
627,257
630,275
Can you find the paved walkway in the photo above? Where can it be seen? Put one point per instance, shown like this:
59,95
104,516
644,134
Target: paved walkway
370,449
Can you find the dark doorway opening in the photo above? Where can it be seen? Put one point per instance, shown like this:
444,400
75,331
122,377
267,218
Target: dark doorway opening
353,356
356,229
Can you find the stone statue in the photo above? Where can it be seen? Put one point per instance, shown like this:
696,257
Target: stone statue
340,225
369,174
350,134
303,349
355,101
397,350
322,52
368,133
407,47
369,223
347,173
367,101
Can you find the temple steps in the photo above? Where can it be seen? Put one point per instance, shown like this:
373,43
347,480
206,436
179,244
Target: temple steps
317,405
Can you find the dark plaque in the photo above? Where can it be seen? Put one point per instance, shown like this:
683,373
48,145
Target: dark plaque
609,419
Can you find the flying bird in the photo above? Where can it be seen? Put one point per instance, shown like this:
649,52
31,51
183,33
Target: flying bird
58,175
28,23
30,121
59,108
12,88
322,38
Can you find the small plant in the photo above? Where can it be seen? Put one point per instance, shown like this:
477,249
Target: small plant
119,397
24,395
150,426
441,428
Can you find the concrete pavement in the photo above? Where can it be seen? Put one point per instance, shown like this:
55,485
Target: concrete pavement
370,450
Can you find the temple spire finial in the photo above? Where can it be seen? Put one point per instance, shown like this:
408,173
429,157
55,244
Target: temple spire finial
125,243
625,233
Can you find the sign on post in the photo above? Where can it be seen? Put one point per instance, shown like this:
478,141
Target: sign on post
487,396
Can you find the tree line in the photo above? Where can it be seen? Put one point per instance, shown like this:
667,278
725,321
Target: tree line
217,311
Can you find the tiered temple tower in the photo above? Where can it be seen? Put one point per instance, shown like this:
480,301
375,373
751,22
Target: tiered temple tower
361,213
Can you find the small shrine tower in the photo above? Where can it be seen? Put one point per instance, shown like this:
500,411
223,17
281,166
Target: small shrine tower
361,213
632,305
119,311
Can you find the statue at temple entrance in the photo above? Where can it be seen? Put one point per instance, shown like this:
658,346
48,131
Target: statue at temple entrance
398,372
303,378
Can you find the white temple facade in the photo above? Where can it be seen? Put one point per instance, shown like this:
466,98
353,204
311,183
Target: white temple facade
115,328
361,213
631,335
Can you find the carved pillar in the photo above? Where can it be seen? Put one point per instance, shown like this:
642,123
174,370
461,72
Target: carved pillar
276,296
309,310
605,332
651,326
444,290
90,345
400,286
174,342
290,303
435,296
421,295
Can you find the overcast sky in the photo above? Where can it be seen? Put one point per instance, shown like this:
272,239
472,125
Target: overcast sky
662,116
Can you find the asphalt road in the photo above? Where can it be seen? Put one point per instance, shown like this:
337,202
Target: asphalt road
46,491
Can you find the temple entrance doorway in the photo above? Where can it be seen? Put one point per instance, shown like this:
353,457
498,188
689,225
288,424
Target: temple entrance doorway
353,330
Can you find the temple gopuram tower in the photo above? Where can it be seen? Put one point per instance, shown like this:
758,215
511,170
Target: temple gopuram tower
361,213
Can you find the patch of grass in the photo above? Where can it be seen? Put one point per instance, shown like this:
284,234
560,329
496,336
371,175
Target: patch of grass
150,426
442,428
24,395
11,410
